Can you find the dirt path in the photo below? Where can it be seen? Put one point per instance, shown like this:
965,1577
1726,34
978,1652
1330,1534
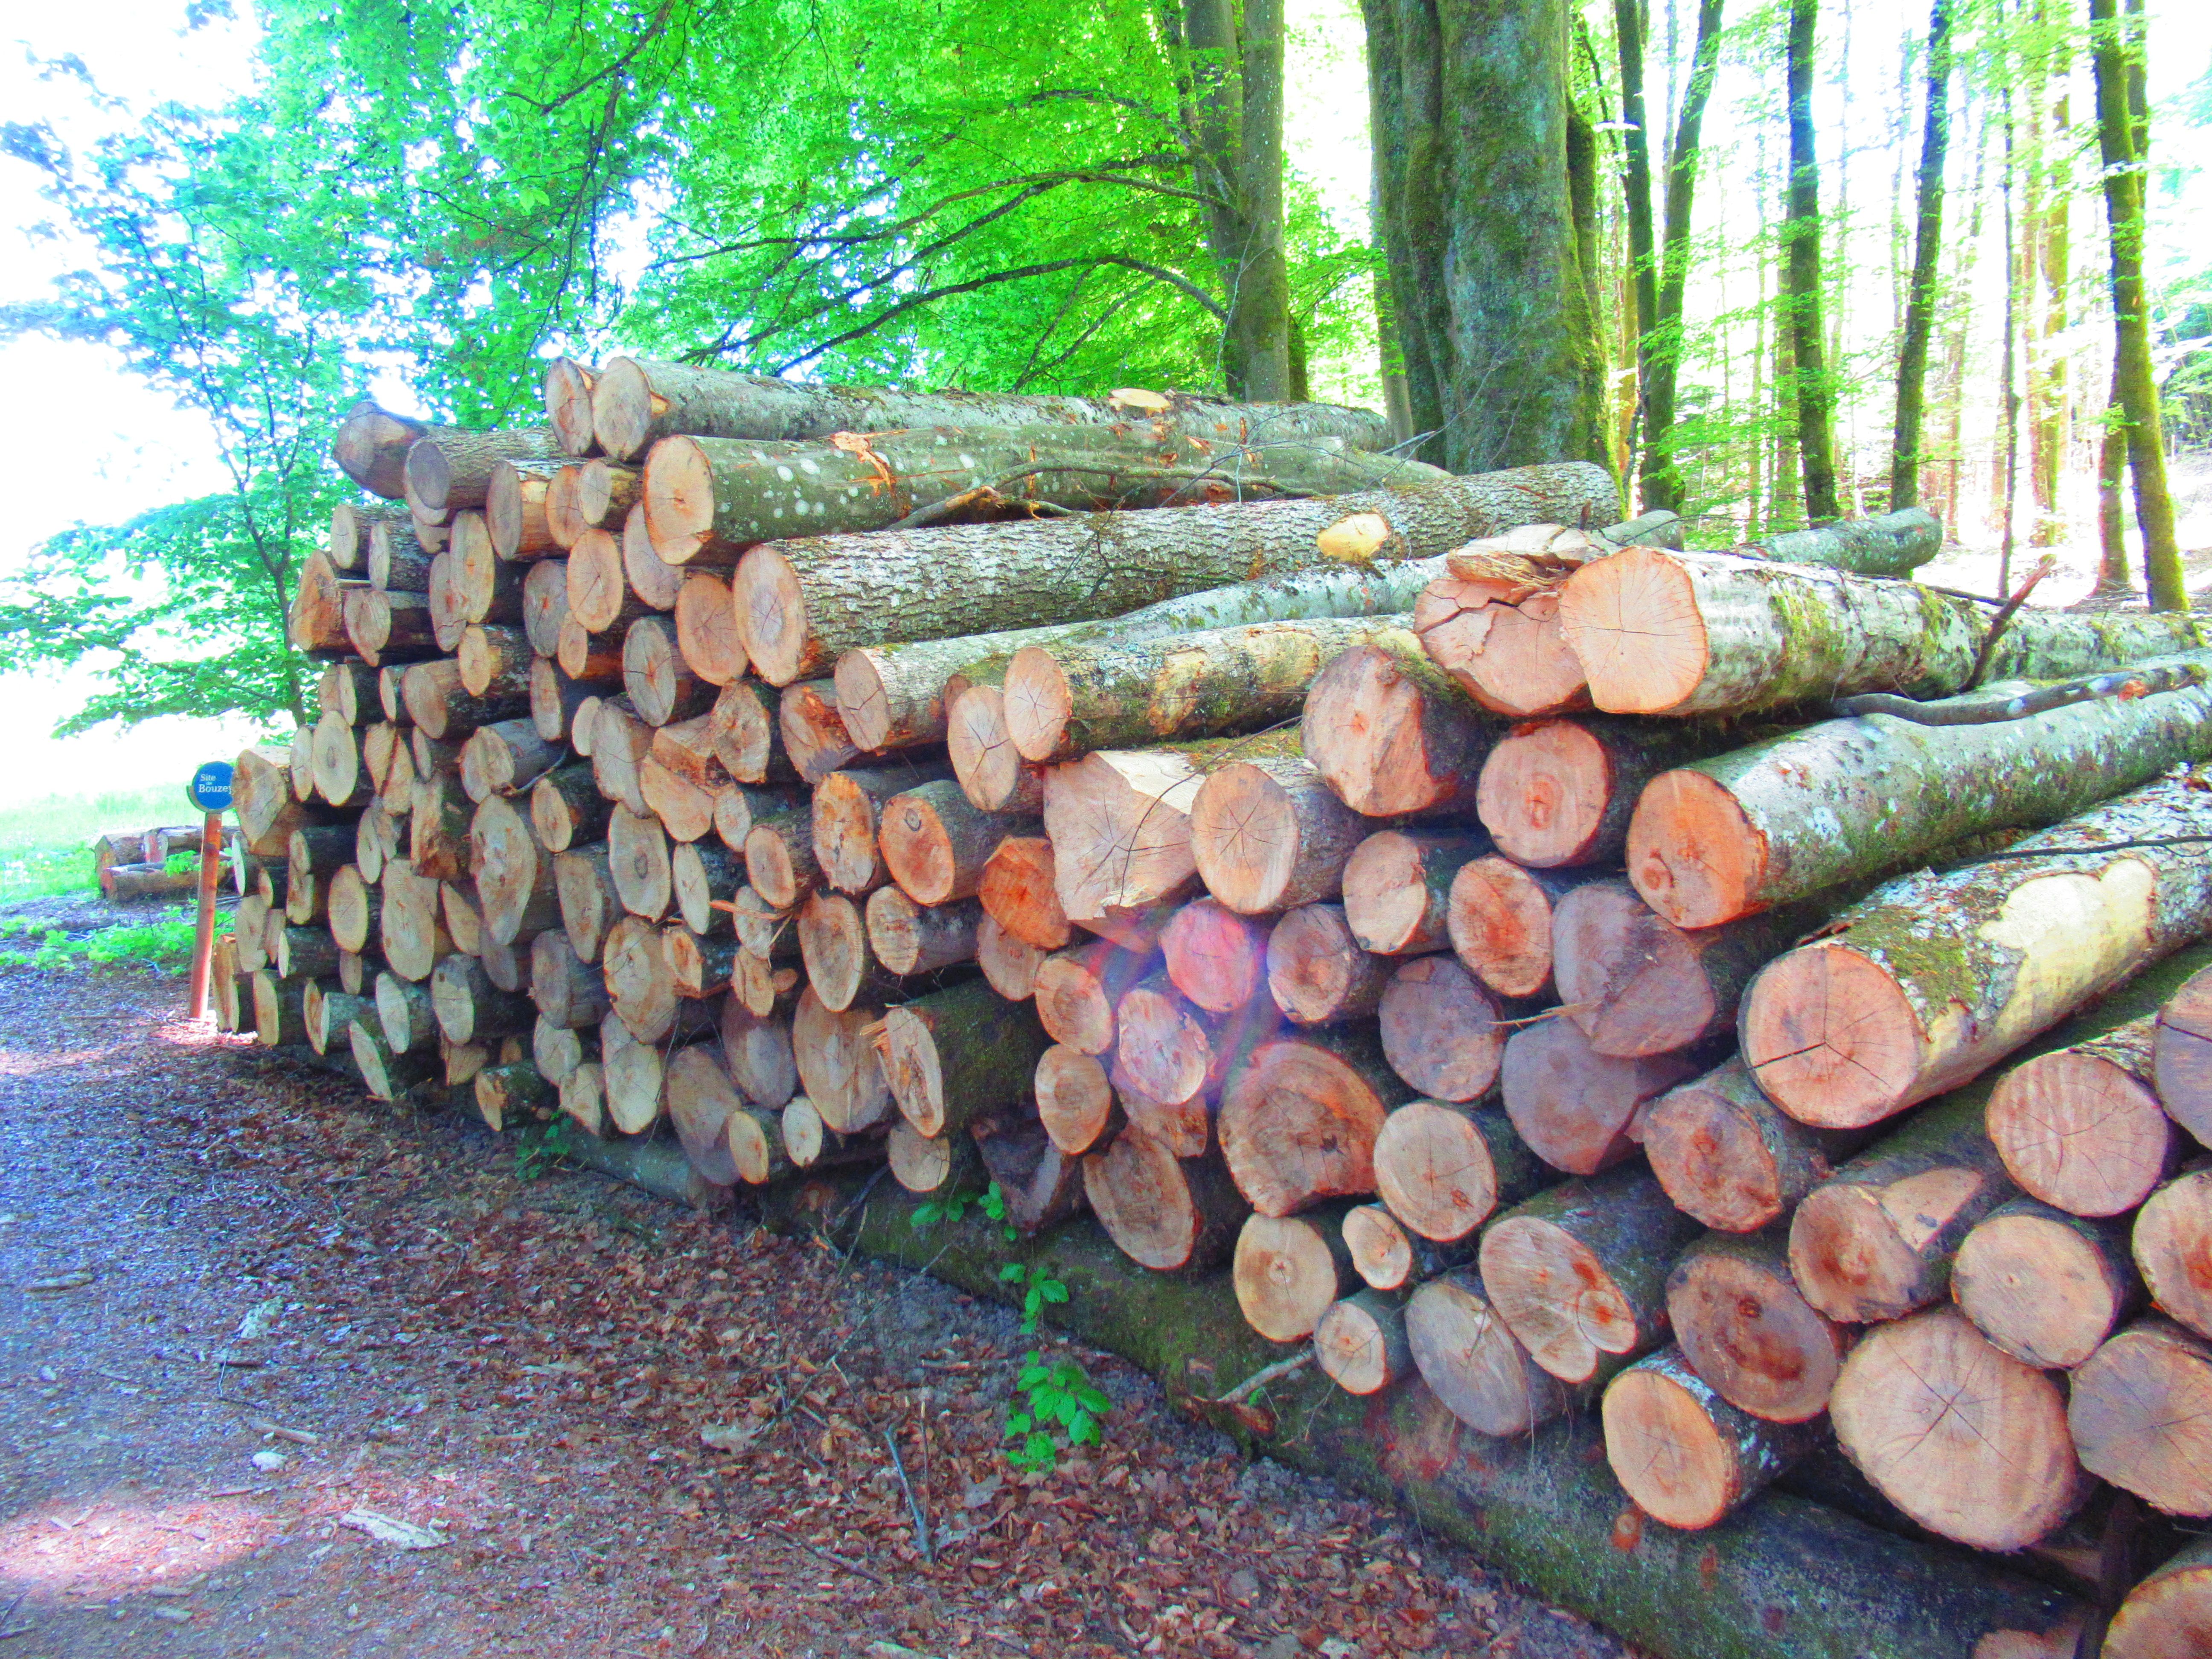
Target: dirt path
521,1369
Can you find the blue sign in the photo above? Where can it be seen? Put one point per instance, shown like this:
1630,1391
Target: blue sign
210,789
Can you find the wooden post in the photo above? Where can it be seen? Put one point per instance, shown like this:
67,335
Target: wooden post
204,929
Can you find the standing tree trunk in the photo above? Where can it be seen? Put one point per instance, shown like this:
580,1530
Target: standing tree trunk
1801,276
2116,47
1926,248
1471,105
1629,18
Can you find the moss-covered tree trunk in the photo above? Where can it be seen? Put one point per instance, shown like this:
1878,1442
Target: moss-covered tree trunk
1472,106
1800,277
1927,249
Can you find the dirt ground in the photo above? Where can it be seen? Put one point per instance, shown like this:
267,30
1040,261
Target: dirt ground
249,1319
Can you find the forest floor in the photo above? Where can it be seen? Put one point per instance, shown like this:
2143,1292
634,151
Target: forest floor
249,1320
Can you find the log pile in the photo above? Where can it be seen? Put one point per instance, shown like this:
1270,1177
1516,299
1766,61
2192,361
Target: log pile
1482,945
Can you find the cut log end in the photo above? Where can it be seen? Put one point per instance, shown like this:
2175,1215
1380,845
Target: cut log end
1434,1168
2081,1132
1217,958
2169,1615
1693,856
1543,794
1633,624
1074,1099
1297,1125
1163,1212
1831,1036
1441,1032
993,774
1745,1328
1710,1154
1474,1364
1286,1276
1500,926
2045,1287
2141,1416
1360,1344
1667,1449
1038,703
1555,1293
772,615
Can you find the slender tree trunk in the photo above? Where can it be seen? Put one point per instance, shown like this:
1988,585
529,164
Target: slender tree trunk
1628,27
2006,474
1801,237
2117,48
2114,576
1663,342
2045,254
1927,249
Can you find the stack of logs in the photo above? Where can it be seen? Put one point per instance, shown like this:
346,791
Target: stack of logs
137,866
1748,995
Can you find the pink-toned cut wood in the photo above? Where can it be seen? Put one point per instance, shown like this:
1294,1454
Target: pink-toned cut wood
438,827
685,812
1397,888
746,735
705,878
388,627
2045,1287
765,988
399,559
1748,1330
1217,958
721,1134
514,874
620,741
654,582
2082,1128
596,659
1729,1156
371,448
489,588
588,905
447,615
1473,1365
449,468
1173,1053
1685,1456
1299,1120
569,405
2181,1055
813,734
637,853
2172,1241
495,661
1501,642
833,944
505,758
1078,988
990,769
1270,835
848,817
2141,1416
1561,793
564,521
566,809
839,1067
1018,888
1010,963
1391,735
1075,1100
700,966
1500,918
662,684
1580,1110
908,938
1171,1214
707,629
1316,972
1442,1033
1443,1168
758,1051
936,844
780,860
1389,1256
766,930
687,749
599,594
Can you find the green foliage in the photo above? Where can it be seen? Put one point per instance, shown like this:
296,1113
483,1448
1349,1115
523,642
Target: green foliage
162,944
45,845
540,1149
1059,1405
950,1207
1040,1290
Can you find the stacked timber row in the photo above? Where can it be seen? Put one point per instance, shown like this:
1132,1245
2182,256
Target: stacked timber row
1485,942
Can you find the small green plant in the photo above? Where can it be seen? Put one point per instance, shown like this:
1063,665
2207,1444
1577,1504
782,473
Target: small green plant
539,1150
1058,1402
1039,1290
951,1207
163,944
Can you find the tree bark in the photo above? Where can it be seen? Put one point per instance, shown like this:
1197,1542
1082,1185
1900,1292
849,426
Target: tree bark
1966,1440
801,602
1442,1034
505,758
780,860
933,841
1642,287
449,468
1685,1456
2138,1416
469,1007
814,737
1299,1122
398,562
705,880
2045,1287
1748,1330
1317,975
2182,1051
1729,1156
1802,278
959,1056
1868,1020
1444,1168
1905,461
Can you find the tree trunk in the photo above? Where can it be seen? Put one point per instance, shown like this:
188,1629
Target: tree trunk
1317,975
1271,835
567,991
637,856
371,448
780,860
1684,1455
1500,919
1441,1032
2116,47
1728,1156
1442,1168
1866,1021
1748,1330
908,938
449,468
1905,454
1561,794
1299,1122
2114,579
1966,1440
2138,1416
2045,1287
1397,885
1390,733
638,401
1078,988
2082,1128
992,773
1578,1272
1215,958
1475,1366
2173,1240
801,602
661,683
1020,891
1802,276
1171,1214
1629,23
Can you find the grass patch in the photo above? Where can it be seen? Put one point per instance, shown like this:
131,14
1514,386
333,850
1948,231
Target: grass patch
162,943
46,845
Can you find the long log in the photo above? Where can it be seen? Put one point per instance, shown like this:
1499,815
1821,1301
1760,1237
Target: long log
449,468
707,499
2045,1287
1298,1121
1271,835
801,602
1681,1452
1391,734
1729,1156
1561,793
1868,1019
1662,633
1889,544
1747,1327
2141,1416
1966,1440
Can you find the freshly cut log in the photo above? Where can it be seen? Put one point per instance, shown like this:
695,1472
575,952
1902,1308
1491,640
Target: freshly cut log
908,938
1866,1021
607,490
1662,633
513,1094
1271,835
1009,963
330,1015
932,841
763,928
1729,1156
620,743
1120,822
700,968
700,876
390,628
686,750
2082,1128
839,1067
569,405
353,911
1443,1168
449,468
637,855
1216,958
1579,1272
583,882
806,1142
1389,1255
1875,1240
637,1086
405,1014
758,1051
1078,988
384,1074
557,1051
584,1097
746,732
1019,889
567,810
1318,974
1298,1121
641,987
1474,1364
1849,800
1967,1440
306,901
1747,1329
1441,1032
1122,693
1171,1214
317,618
847,811
2045,1287
833,943
2140,1415
545,605
1491,619
371,448
2173,1245
1637,985
2182,1055
755,1145
519,509
494,662
398,560
410,923
637,401
959,1055
589,658
764,989
505,758
569,990
1074,1100
1391,734
1686,1455
1171,1059
463,919
514,874
780,860
801,602
1561,793
1360,1343
2169,1615
441,707
448,605
488,587
707,629
723,1139
469,1007
1038,1185
344,689
924,1165
814,737
662,685
1499,918
438,826
992,773
1397,886
600,599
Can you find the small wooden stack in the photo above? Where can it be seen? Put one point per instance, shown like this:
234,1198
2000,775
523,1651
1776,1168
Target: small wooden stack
1477,936
137,866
